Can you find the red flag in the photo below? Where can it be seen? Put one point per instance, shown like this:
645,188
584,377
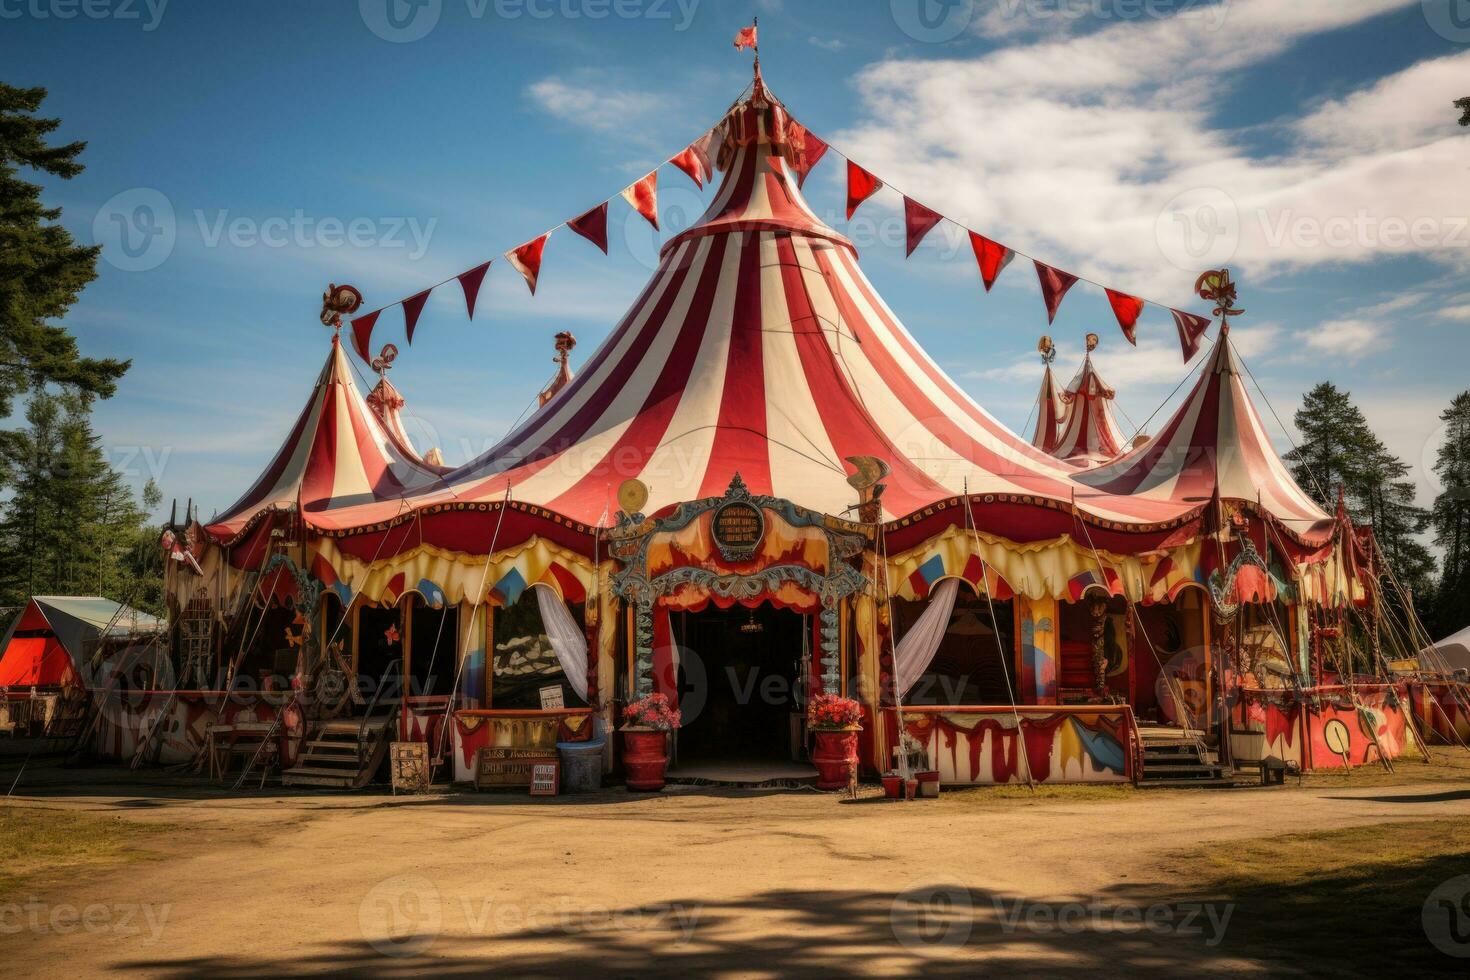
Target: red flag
688,161
991,256
592,226
1126,308
745,38
470,283
527,259
917,220
412,307
362,335
643,196
812,149
1191,327
1054,285
861,185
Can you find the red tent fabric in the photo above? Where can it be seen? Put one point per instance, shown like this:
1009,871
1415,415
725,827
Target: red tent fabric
1089,433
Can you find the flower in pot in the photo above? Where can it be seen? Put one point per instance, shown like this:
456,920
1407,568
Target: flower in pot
834,721
646,726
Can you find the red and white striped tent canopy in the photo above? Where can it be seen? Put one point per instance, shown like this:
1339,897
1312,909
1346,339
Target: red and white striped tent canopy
1215,442
1089,433
337,454
1048,413
758,347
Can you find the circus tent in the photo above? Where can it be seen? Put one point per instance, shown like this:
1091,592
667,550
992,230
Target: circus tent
1048,412
1215,444
1089,434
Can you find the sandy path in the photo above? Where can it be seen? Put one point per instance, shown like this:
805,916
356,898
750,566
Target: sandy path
688,881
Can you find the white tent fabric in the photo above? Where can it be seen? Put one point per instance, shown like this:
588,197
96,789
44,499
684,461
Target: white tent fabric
917,648
567,638
1453,652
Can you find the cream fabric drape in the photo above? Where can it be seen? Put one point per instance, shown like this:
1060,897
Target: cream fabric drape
567,638
917,648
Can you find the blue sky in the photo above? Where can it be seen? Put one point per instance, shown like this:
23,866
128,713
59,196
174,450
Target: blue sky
1310,145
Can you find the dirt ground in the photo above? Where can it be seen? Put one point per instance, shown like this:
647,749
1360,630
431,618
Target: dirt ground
690,881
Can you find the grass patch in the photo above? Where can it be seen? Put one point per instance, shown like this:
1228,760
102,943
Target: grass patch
1449,764
39,844
1350,898
1042,793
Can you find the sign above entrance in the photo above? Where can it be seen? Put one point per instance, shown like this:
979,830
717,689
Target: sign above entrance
738,528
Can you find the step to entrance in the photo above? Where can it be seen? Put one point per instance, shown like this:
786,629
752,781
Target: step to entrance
744,775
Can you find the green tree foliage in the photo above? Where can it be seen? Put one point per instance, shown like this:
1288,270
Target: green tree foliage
72,525
1450,517
1339,450
42,270
1464,106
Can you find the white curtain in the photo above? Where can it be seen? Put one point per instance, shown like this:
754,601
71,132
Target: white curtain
567,638
917,648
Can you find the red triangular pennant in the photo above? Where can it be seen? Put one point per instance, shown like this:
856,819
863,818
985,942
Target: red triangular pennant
643,196
527,259
412,307
813,147
592,226
1191,327
991,256
861,185
362,335
688,161
470,283
1126,308
1054,285
917,221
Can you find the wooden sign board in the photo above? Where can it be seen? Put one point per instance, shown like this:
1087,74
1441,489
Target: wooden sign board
738,528
545,778
552,698
409,767
508,765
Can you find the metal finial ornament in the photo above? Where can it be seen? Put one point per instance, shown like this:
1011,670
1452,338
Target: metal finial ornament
1217,287
385,359
1092,341
1046,349
339,301
564,344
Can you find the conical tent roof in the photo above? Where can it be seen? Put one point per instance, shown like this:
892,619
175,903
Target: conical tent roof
387,404
1214,441
337,454
1048,413
759,347
1089,433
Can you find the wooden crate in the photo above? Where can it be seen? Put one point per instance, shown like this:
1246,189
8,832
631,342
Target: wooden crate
508,765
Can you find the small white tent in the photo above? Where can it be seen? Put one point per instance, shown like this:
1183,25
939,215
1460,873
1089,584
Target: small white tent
1453,652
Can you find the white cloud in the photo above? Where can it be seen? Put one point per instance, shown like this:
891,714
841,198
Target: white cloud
1346,338
590,102
1460,313
1099,151
827,44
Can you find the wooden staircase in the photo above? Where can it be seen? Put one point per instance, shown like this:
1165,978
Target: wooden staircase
346,753
1179,757
342,754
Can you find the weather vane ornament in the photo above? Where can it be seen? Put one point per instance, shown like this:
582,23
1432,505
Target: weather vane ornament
337,302
384,361
1046,349
1092,341
1217,287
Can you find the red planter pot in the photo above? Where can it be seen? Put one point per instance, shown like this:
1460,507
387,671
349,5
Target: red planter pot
644,758
834,756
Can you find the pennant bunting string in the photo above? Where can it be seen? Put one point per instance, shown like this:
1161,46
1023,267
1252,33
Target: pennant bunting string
470,282
917,221
643,197
592,226
1126,308
412,307
362,334
527,259
1054,285
861,185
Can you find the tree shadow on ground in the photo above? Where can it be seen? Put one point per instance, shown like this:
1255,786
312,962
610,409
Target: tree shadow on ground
1140,930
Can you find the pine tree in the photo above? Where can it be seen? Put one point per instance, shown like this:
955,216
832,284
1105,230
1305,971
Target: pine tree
42,269
1450,517
72,526
1340,450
